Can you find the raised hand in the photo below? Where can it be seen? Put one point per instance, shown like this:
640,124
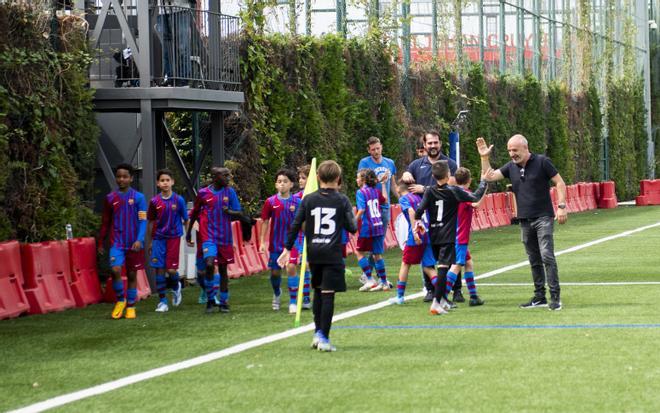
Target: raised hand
483,148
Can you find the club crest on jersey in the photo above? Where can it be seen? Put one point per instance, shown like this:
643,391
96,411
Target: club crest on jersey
174,207
131,201
113,258
225,199
154,260
292,208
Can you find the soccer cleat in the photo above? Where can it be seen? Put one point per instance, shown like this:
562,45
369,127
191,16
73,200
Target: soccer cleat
202,297
118,311
316,339
223,307
386,286
276,303
458,297
368,286
363,278
436,308
177,296
390,285
475,301
162,307
555,305
209,307
535,302
397,300
130,313
325,346
378,287
293,308
446,304
307,305
428,297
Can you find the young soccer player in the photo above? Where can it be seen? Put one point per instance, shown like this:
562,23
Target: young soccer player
125,219
282,208
442,201
211,206
325,214
417,249
371,237
166,212
303,173
463,258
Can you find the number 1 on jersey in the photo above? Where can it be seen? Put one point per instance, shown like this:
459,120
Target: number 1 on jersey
440,205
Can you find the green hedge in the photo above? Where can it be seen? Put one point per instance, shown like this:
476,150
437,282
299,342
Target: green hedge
47,128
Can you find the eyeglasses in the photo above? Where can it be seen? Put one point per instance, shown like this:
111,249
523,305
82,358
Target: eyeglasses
522,174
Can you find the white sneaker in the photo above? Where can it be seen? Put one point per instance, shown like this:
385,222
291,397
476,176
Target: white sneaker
316,340
386,286
276,302
436,308
177,296
445,304
293,308
368,285
397,300
325,345
363,279
307,305
162,307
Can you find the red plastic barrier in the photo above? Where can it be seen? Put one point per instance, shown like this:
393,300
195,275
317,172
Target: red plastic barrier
571,199
579,197
144,290
481,218
390,238
262,256
13,301
395,211
475,223
248,256
587,193
607,195
47,275
649,192
489,211
499,203
85,284
254,260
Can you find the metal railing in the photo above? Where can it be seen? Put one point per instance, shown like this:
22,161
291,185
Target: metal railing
189,48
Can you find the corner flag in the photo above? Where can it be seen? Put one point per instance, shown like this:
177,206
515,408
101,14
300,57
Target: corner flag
312,185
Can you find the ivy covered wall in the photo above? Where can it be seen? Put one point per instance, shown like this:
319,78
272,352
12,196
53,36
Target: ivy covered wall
47,127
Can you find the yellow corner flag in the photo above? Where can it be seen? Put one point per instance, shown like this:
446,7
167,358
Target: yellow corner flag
312,185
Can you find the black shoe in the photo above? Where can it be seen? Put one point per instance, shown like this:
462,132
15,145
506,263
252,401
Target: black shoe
535,302
210,307
223,308
475,301
555,305
452,305
458,297
428,297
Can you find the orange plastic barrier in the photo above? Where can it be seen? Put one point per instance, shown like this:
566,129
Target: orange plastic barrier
245,254
607,195
47,275
254,261
13,301
85,284
649,192
263,257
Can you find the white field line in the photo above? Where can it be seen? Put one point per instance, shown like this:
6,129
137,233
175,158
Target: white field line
577,284
196,361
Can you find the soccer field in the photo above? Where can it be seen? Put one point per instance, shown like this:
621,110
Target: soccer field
599,353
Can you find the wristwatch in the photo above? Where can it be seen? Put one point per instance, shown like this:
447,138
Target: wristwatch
562,206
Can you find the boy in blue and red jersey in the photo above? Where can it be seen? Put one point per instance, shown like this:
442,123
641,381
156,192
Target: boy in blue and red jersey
211,208
463,228
279,211
303,173
125,219
371,237
418,248
167,211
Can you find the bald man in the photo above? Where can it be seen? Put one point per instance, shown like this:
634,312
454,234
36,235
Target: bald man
530,176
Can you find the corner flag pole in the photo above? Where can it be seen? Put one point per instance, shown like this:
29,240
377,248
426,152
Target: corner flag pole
312,185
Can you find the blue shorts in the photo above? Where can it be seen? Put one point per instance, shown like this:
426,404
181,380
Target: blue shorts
428,259
462,254
165,253
200,263
134,260
222,254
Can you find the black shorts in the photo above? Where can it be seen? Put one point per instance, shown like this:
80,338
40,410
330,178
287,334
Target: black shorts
445,254
328,276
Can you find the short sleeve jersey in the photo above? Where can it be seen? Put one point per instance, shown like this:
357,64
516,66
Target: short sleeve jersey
386,165
420,169
531,184
214,223
129,211
464,222
326,213
168,214
369,199
280,212
411,200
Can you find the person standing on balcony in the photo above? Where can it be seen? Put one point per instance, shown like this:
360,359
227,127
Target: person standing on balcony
174,24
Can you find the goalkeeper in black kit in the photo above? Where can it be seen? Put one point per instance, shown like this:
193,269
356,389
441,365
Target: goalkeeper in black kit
325,213
441,201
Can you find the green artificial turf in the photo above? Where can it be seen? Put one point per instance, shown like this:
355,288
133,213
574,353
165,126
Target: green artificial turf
392,359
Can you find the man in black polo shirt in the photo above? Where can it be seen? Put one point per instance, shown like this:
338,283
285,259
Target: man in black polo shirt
530,176
418,177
